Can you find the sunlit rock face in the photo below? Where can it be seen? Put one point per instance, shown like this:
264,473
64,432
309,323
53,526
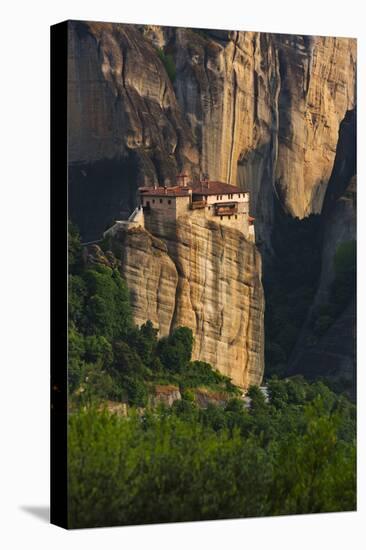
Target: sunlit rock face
254,109
334,355
265,111
206,277
258,110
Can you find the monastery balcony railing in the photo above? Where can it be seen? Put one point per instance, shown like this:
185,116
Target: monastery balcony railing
226,210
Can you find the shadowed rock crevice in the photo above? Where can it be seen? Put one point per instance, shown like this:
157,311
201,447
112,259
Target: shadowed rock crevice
234,94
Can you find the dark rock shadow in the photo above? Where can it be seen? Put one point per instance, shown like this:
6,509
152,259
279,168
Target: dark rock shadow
40,512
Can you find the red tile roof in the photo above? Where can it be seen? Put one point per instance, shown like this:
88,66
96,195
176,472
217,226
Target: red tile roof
214,188
176,191
201,188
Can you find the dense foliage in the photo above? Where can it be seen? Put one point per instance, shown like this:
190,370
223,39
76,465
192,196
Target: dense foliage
292,451
293,454
109,357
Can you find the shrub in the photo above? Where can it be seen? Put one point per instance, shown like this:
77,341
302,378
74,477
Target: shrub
127,361
98,349
136,391
345,257
169,64
175,351
107,311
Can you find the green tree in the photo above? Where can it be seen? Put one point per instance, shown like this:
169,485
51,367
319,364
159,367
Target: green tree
76,299
175,351
98,349
144,340
126,360
74,248
315,471
107,311
75,351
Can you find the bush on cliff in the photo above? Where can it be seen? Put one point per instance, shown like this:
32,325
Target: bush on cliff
168,62
103,337
175,351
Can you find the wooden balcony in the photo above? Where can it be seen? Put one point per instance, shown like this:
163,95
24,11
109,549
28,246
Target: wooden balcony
226,209
198,204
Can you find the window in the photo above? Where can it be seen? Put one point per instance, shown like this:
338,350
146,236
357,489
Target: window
169,201
217,197
220,217
229,217
220,197
239,196
236,217
161,200
153,201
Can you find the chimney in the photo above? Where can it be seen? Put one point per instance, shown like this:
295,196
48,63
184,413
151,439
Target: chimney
182,180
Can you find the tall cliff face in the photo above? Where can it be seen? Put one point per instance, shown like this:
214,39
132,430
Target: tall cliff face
203,276
258,110
126,128
254,109
335,354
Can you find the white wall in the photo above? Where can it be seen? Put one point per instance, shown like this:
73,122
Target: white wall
244,197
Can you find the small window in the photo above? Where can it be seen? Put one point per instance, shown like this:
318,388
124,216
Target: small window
209,207
236,217
169,201
153,201
220,217
220,197
239,196
161,200
229,217
217,197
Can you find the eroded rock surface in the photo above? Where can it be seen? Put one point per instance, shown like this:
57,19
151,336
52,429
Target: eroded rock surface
207,278
254,109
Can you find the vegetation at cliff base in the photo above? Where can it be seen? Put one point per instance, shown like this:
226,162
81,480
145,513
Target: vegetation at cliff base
291,451
293,454
110,357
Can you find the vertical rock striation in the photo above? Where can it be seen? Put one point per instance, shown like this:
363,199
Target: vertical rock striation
335,354
206,277
259,110
254,109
